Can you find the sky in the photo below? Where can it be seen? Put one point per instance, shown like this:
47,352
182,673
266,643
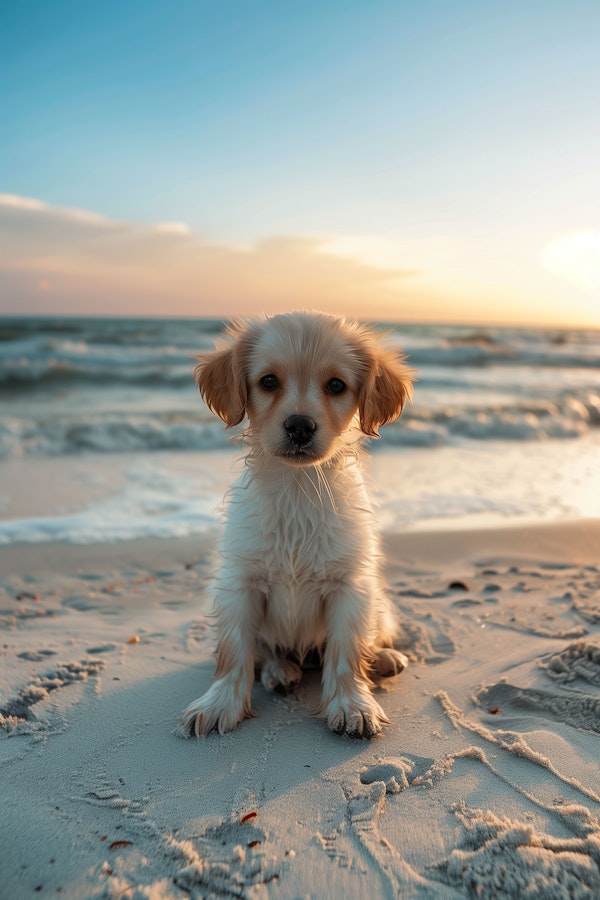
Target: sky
417,161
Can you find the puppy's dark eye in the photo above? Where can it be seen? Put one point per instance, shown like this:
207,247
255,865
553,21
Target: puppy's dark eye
336,386
269,382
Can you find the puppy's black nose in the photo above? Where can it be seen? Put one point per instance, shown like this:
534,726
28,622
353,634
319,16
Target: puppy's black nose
300,429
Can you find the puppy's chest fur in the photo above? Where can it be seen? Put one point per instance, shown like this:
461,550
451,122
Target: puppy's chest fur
297,538
296,528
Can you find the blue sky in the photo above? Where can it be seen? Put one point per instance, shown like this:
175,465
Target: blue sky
447,151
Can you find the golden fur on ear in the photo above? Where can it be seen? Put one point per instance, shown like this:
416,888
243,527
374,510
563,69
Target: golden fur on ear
221,380
386,389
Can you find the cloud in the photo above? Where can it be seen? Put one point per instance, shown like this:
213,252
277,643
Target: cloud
31,205
13,201
172,228
73,261
389,252
56,260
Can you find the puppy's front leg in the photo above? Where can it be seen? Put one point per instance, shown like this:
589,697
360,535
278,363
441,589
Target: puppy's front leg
348,704
227,701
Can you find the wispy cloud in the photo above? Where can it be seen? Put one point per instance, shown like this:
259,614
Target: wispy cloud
172,228
31,205
70,260
58,260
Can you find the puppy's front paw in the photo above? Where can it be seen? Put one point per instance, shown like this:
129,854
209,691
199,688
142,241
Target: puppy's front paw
358,717
218,709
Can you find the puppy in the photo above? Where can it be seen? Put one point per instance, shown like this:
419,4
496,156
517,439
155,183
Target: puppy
299,550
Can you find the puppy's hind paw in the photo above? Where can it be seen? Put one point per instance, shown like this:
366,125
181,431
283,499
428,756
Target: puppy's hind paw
282,674
388,662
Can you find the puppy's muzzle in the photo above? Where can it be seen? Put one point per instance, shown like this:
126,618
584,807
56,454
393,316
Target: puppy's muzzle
300,429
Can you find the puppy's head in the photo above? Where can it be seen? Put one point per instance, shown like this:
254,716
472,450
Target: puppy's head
302,378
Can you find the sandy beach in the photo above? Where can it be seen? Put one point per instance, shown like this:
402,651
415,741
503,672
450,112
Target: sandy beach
486,783
360,240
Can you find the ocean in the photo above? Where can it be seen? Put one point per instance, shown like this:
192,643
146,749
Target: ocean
103,435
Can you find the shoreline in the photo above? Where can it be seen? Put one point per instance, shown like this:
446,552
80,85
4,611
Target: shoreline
133,496
536,539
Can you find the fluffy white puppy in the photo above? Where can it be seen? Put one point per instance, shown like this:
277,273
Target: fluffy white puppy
299,552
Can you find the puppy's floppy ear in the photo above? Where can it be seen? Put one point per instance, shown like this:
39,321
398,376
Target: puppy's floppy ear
221,379
385,390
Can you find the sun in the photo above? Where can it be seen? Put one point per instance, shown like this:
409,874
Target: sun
575,257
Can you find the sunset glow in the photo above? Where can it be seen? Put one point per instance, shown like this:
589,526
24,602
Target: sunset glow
426,162
576,257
